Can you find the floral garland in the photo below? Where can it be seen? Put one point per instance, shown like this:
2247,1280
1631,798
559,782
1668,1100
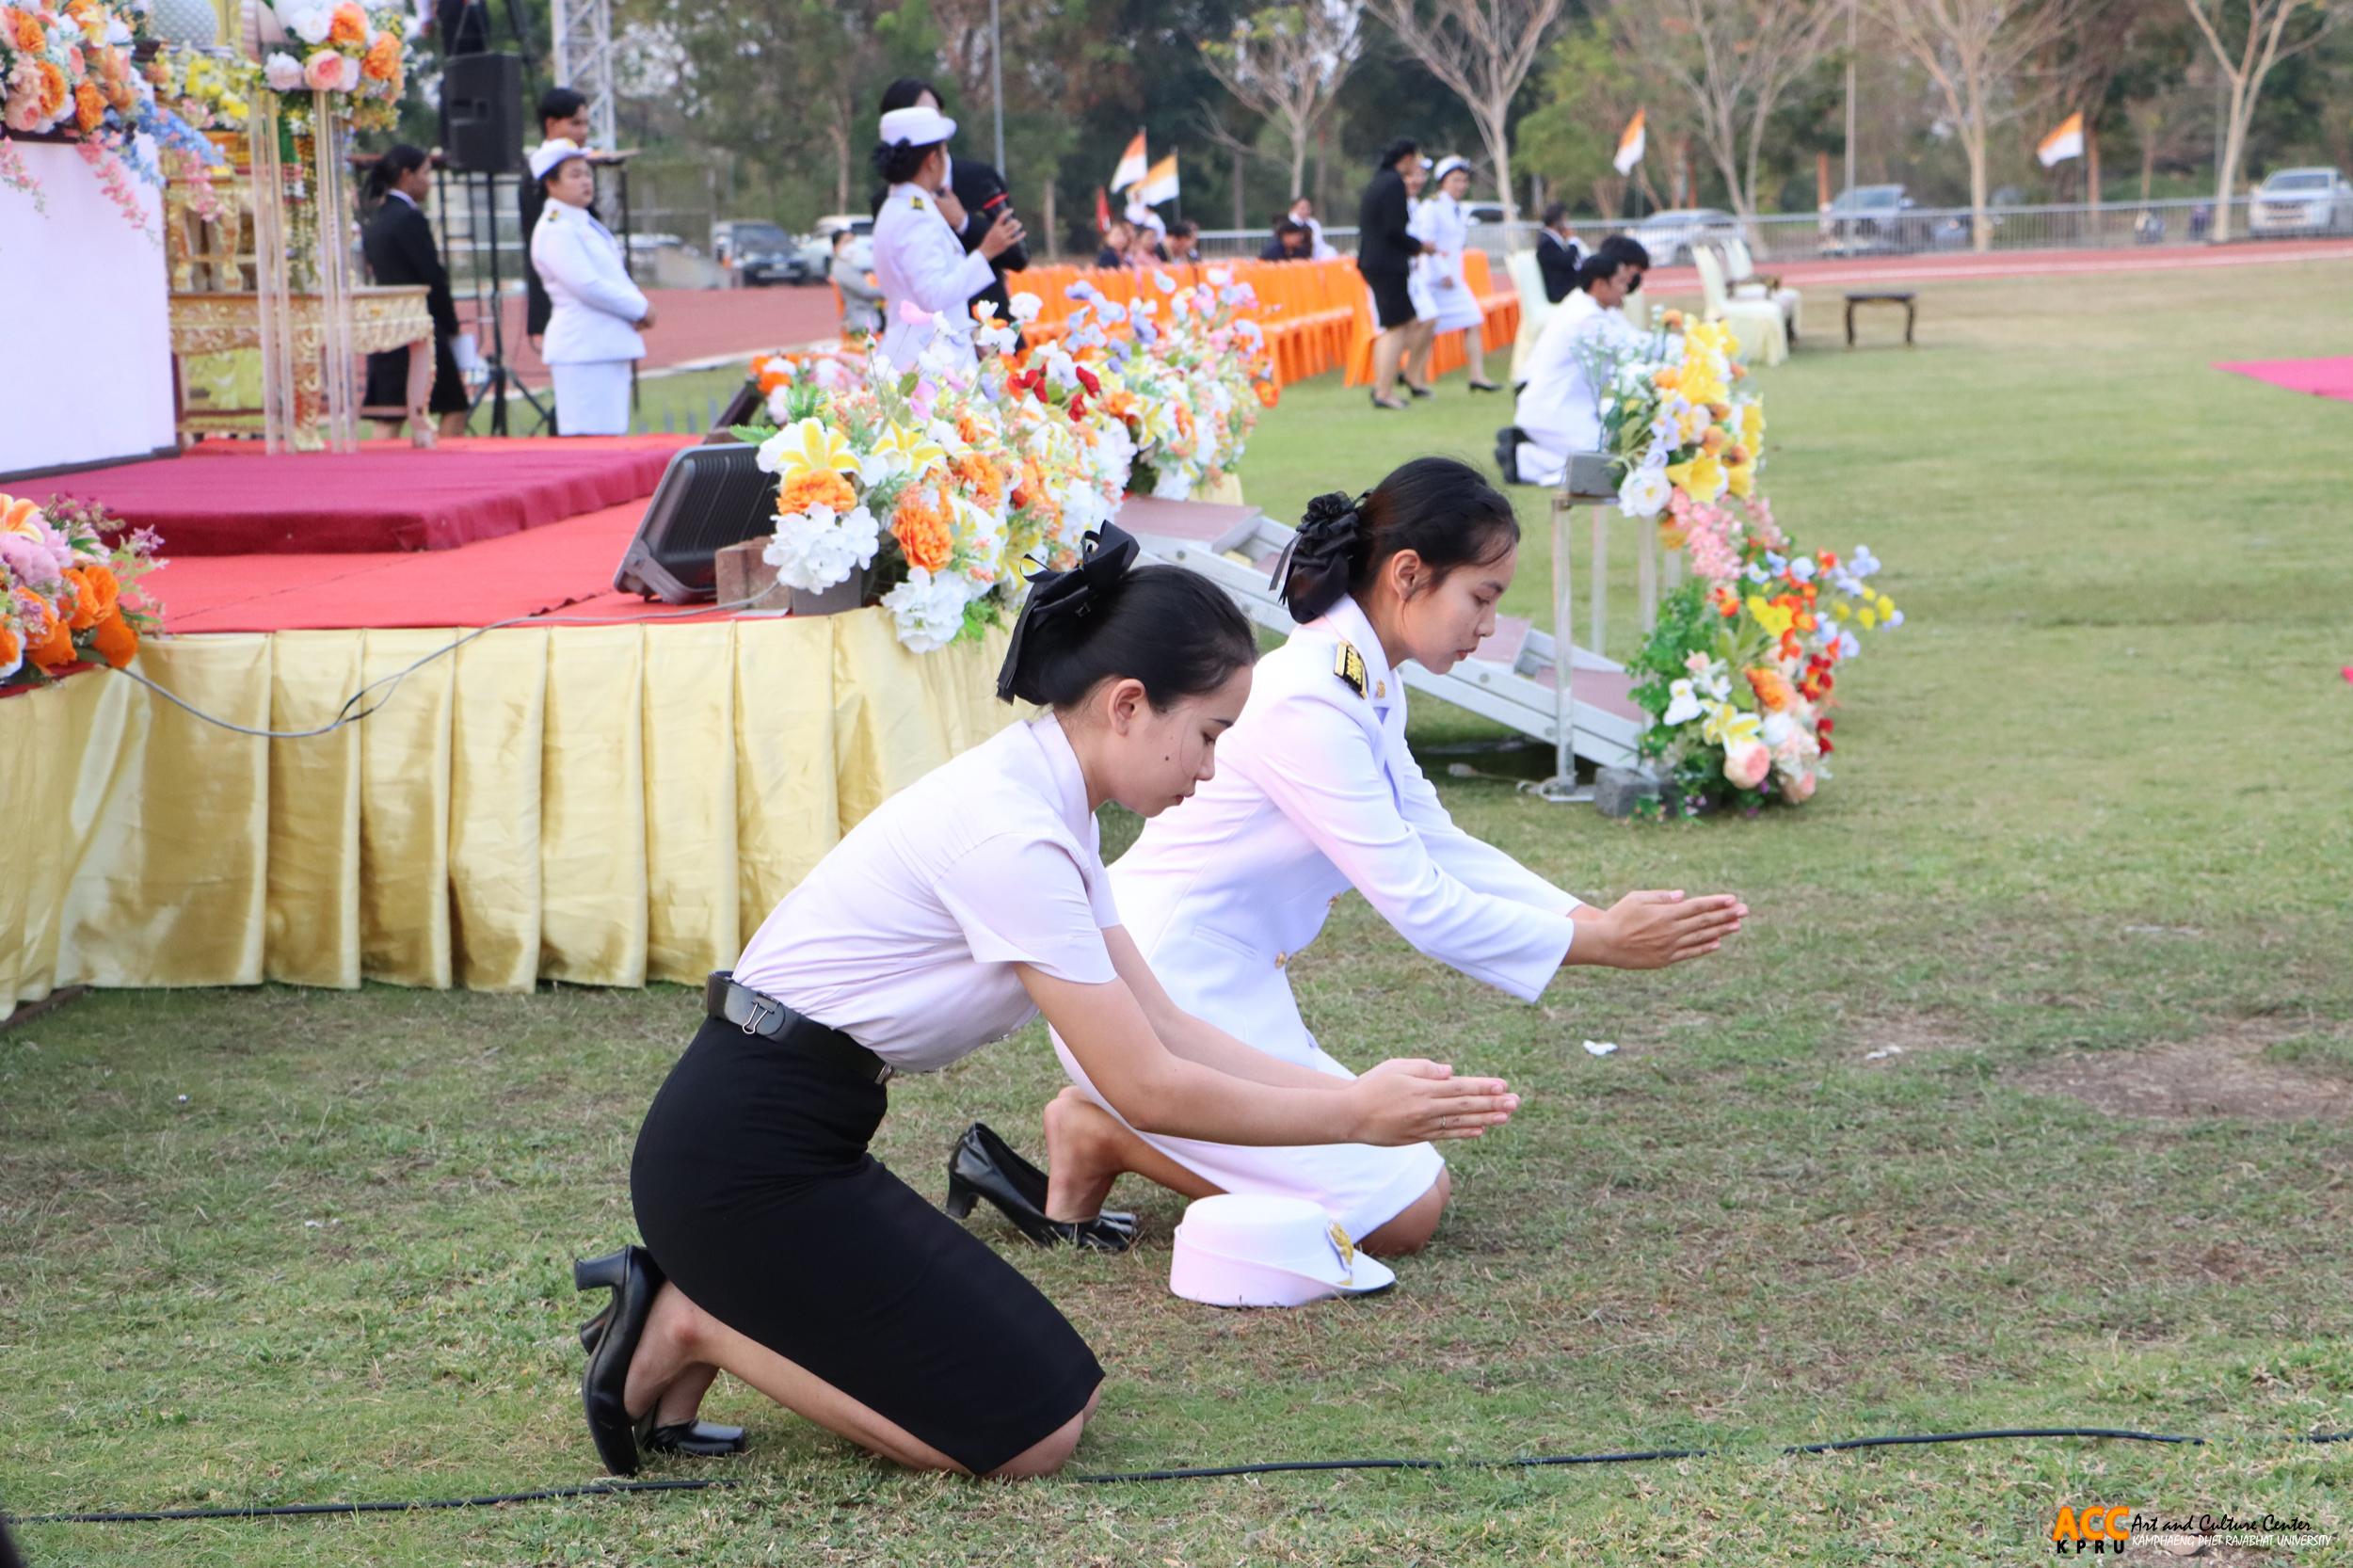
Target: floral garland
1738,674
206,92
359,58
67,69
955,476
65,596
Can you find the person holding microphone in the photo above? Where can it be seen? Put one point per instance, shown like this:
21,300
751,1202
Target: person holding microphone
597,312
919,261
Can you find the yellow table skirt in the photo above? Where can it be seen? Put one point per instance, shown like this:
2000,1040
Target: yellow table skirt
599,805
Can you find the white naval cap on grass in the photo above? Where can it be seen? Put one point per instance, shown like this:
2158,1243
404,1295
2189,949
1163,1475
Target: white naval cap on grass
1245,1249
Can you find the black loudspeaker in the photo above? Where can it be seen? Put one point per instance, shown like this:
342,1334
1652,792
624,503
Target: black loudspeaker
749,403
710,497
482,113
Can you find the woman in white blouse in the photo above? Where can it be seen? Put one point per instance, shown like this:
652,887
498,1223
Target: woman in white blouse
927,277
775,1247
1444,224
1317,795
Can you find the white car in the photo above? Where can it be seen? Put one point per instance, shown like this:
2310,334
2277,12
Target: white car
2302,202
1671,236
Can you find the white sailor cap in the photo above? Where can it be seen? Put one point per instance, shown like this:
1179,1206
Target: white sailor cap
1250,1249
550,153
1446,167
917,126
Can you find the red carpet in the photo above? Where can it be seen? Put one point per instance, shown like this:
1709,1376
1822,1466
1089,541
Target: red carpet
2314,378
225,498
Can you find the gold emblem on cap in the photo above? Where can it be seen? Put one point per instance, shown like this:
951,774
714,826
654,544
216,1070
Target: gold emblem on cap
1346,1248
1348,666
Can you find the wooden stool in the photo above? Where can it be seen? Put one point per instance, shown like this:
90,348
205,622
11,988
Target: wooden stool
1882,297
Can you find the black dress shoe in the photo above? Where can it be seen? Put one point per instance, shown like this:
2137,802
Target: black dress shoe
983,1165
635,1281
1418,391
702,1438
1486,386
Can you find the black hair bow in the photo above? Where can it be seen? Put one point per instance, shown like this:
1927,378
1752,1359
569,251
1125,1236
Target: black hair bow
1104,557
1327,537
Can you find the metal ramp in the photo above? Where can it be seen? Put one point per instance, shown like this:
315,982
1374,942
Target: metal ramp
1512,680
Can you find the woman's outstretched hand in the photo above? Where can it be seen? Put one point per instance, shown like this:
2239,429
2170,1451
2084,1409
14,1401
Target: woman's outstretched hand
1651,930
1409,1100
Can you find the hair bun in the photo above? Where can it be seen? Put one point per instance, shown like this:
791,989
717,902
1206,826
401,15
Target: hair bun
1322,551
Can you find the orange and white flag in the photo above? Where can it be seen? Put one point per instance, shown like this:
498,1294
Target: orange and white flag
2065,142
1134,164
1630,145
1160,184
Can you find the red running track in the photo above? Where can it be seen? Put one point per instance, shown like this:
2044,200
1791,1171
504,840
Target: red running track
228,498
1963,266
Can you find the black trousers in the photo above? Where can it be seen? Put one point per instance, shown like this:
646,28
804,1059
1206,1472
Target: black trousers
756,1194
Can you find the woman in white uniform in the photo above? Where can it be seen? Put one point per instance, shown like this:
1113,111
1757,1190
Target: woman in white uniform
1315,794
597,310
1559,408
776,1248
1444,224
919,261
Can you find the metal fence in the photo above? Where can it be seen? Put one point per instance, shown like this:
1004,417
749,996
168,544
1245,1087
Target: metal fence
1911,230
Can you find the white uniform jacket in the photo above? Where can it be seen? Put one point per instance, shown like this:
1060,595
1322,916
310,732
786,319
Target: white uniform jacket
1315,794
1418,279
1443,223
596,308
918,259
1559,407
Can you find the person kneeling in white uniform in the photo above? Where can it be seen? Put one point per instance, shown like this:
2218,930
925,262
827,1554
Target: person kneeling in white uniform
597,310
1315,794
919,261
1559,407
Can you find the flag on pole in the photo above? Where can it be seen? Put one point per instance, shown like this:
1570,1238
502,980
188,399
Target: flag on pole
1160,184
1102,211
1630,145
2064,143
1133,164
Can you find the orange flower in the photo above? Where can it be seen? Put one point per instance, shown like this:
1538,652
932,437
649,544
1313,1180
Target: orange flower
349,24
16,514
970,429
26,30
89,106
382,60
1771,688
924,536
815,487
982,482
95,591
1269,395
47,641
116,640
50,101
11,647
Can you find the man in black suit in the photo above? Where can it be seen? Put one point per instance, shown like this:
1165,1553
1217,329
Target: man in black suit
398,241
1292,242
562,112
1385,249
1558,253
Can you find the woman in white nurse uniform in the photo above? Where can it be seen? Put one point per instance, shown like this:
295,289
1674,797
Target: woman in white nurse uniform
1315,794
921,265
597,312
1444,224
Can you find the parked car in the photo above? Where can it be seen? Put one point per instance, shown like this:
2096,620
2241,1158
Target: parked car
2302,202
755,252
862,243
1871,217
1671,236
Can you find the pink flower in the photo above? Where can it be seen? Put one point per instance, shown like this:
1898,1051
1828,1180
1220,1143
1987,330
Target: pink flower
328,71
1747,764
1797,789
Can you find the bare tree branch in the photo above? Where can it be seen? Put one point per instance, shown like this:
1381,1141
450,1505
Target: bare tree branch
2261,34
1481,50
1288,62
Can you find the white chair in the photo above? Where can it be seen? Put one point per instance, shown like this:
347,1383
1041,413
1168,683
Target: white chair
1528,279
1756,324
1741,283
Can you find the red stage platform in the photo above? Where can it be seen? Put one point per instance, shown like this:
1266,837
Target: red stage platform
229,499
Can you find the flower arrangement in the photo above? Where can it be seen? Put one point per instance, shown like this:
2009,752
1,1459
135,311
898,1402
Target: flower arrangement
65,596
1738,675
338,47
67,70
944,480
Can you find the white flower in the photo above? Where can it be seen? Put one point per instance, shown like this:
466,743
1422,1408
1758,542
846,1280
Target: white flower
814,549
929,609
1778,728
1645,493
1863,563
1082,508
282,71
1025,307
311,24
118,31
1173,483
1802,568
1060,369
1220,276
777,402
1163,282
1684,705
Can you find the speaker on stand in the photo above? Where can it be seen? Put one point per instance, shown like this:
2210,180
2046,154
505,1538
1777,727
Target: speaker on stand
482,141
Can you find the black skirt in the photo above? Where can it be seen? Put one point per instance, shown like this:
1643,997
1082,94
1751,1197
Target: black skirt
1392,297
388,379
756,1194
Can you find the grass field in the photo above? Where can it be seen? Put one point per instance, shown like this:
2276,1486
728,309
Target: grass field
2087,861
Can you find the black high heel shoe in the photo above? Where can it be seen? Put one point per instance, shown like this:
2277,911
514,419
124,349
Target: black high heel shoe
1418,391
1486,386
635,1281
1380,402
984,1166
705,1439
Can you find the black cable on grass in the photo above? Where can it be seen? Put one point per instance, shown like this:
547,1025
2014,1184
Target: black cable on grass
609,1488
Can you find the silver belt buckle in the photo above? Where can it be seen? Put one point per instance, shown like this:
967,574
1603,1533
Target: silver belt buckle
760,1014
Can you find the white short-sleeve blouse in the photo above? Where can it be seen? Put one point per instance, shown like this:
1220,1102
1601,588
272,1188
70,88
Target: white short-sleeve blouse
905,934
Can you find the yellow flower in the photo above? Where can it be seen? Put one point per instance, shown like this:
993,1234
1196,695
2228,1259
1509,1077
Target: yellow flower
914,445
1729,727
1702,478
1869,617
1774,618
808,447
1752,427
1841,610
1741,477
1887,606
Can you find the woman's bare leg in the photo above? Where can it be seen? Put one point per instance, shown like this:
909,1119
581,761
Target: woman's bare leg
1087,1149
1411,1227
1388,350
1421,338
1474,352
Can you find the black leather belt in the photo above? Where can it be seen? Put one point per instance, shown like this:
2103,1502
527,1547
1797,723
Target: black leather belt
771,1019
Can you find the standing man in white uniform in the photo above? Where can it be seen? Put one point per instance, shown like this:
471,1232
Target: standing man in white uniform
597,312
1444,224
1315,794
1559,407
919,261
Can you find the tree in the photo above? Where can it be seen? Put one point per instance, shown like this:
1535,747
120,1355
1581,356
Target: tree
1731,60
1481,50
1976,52
1589,90
2248,38
1287,63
